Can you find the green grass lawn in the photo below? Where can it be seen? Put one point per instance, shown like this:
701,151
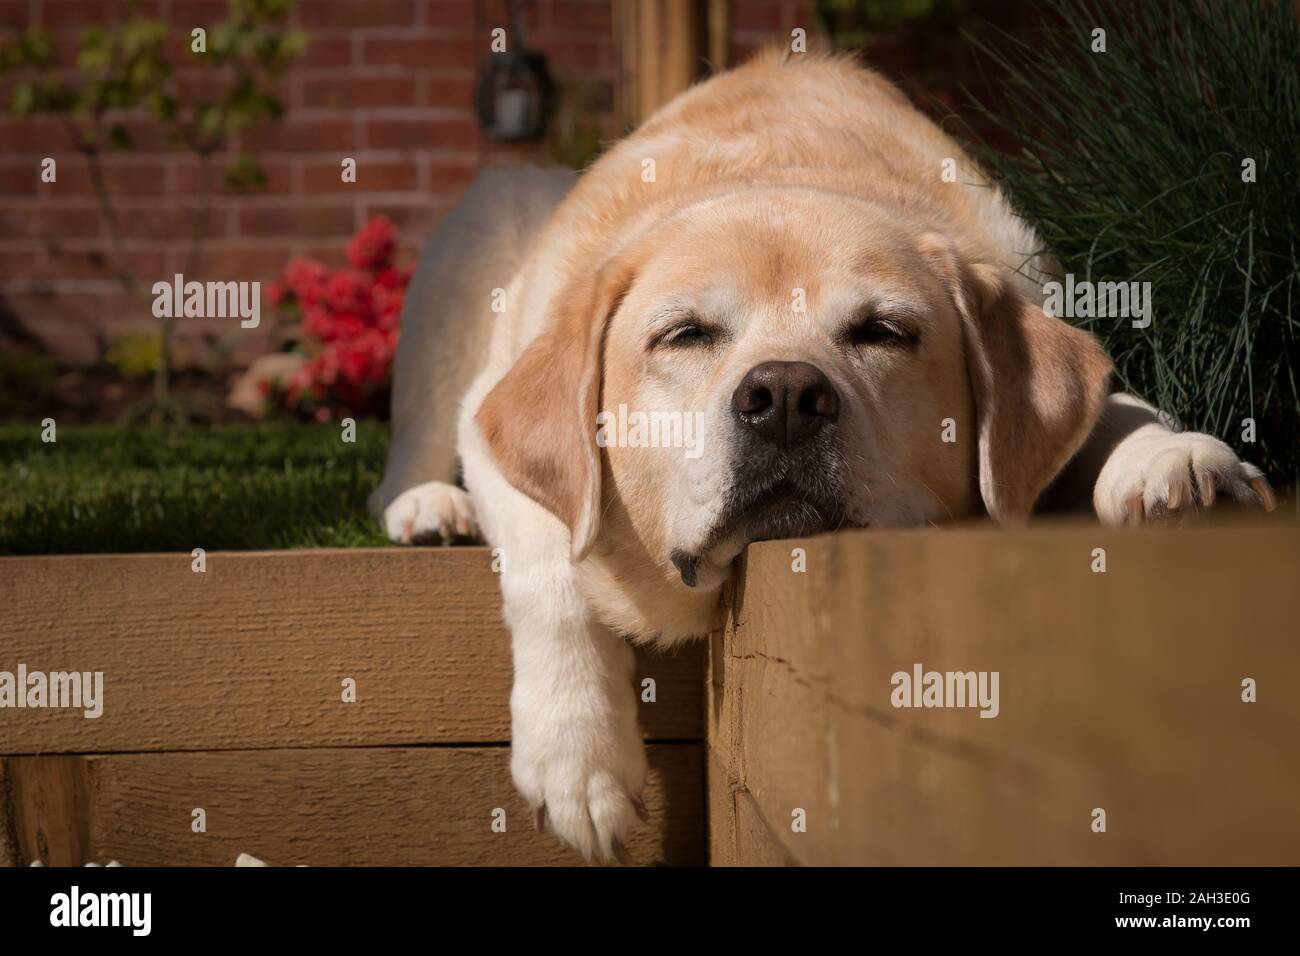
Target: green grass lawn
116,488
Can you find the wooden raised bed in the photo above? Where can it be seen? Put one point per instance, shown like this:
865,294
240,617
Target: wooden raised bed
1118,690
223,691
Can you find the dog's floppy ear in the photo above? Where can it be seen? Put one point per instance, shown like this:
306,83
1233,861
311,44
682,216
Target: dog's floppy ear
540,419
1039,383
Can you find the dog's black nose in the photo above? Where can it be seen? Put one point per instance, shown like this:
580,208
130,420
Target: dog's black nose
786,403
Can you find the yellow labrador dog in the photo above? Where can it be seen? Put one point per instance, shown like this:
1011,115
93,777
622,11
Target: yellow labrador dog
763,314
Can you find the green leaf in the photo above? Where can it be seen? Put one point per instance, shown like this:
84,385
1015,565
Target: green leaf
162,105
245,174
118,137
25,99
39,48
222,40
210,121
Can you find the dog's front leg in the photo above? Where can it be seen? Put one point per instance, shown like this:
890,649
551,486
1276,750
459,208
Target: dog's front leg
577,755
1134,467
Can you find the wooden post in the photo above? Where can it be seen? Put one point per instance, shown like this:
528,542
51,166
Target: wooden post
664,46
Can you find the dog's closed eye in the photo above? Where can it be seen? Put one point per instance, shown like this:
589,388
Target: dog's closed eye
870,328
690,333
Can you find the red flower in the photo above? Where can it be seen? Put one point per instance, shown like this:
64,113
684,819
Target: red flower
349,322
347,291
372,247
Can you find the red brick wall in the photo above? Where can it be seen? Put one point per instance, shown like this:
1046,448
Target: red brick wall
388,82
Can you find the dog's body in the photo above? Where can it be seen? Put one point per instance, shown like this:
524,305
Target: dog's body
776,258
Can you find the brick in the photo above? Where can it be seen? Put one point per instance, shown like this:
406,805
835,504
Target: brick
185,176
427,52
81,13
36,220
357,13
495,15
244,260
372,176
130,178
595,16
757,15
23,178
43,137
283,219
188,14
449,14
333,254
197,85
148,136
301,135
133,179
450,88
326,50
351,91
576,54
450,179
176,49
66,47
15,14
17,263
418,217
170,221
422,134
98,263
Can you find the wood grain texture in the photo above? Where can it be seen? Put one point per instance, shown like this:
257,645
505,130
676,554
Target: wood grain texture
1119,690
664,43
342,807
252,653
738,834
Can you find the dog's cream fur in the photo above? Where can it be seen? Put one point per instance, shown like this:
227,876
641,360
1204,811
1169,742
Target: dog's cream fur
763,212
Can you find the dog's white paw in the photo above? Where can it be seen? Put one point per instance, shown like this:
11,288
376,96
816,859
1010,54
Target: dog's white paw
582,776
1158,473
432,513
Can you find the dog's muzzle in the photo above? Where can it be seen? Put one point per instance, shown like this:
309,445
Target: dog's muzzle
787,463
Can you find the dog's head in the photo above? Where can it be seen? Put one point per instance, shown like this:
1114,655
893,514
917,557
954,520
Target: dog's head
810,362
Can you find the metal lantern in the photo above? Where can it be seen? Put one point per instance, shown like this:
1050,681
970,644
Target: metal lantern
515,92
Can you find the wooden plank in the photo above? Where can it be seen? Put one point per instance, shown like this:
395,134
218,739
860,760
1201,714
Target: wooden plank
325,807
738,834
253,652
1118,690
719,30
8,831
664,44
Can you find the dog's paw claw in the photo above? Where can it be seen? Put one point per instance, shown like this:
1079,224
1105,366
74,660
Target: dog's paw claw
1264,492
1169,475
432,513
580,783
